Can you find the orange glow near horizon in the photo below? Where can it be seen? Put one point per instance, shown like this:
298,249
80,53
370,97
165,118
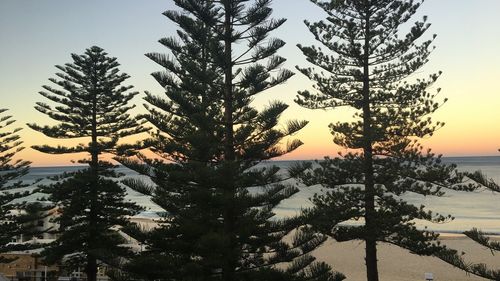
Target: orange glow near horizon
467,53
318,144
469,131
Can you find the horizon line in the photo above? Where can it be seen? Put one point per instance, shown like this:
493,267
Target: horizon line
278,160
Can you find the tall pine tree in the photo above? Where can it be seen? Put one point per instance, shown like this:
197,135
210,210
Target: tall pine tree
90,103
219,221
11,170
365,64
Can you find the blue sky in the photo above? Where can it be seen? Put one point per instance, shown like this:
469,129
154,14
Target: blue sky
35,35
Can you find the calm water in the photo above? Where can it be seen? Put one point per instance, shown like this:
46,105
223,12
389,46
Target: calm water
478,209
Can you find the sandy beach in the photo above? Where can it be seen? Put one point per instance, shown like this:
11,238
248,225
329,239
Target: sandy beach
396,264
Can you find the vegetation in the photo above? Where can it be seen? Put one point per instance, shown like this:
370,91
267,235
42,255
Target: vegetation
368,66
90,103
206,161
13,215
219,222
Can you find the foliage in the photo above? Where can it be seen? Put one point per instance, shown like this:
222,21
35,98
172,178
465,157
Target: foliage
15,215
219,222
365,64
90,103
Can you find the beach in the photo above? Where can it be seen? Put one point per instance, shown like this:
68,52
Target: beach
471,209
396,264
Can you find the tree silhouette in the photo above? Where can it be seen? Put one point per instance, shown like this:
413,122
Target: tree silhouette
12,215
90,103
219,222
367,65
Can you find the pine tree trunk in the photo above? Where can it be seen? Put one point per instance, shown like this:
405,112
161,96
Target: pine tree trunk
370,224
94,166
91,270
229,264
228,86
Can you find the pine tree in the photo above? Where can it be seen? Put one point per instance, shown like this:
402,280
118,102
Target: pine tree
368,66
90,103
219,222
11,170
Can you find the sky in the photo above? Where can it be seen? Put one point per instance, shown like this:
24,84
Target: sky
36,35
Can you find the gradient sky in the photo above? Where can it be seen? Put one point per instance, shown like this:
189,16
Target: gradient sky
35,35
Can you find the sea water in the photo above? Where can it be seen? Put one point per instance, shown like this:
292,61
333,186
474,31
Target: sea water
480,209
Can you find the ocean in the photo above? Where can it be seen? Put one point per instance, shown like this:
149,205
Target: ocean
480,209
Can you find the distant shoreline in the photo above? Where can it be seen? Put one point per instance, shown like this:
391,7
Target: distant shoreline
446,158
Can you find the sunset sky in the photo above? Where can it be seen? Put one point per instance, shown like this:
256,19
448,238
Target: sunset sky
35,35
